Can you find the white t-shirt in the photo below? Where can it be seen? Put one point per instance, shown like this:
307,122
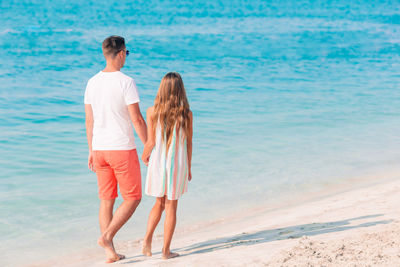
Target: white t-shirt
109,93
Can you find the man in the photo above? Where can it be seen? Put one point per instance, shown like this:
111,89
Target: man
111,103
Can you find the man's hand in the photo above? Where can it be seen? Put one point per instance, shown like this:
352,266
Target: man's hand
190,175
90,162
145,159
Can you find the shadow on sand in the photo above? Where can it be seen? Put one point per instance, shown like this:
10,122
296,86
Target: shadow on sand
247,239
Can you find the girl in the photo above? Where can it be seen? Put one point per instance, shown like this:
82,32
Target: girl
168,154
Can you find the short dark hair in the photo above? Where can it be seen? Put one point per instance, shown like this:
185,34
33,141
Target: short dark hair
112,45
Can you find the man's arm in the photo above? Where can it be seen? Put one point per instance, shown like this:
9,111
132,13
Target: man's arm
151,139
89,133
138,122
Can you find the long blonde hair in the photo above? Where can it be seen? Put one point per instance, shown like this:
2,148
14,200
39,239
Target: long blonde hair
171,107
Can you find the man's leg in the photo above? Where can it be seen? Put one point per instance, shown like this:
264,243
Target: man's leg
105,217
108,191
125,164
105,213
121,216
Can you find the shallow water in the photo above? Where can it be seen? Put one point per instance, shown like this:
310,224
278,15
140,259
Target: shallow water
287,97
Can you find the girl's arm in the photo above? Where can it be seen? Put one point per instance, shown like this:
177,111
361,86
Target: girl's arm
151,140
189,144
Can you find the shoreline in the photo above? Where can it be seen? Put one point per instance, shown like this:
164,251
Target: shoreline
336,211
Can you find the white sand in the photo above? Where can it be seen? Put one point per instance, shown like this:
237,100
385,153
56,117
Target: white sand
360,227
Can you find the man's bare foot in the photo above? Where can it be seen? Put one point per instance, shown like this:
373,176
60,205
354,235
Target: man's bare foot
169,255
121,257
112,256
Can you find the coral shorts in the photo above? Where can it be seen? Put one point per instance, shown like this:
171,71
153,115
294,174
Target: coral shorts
118,167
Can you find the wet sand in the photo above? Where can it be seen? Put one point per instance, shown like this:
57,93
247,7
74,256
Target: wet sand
357,227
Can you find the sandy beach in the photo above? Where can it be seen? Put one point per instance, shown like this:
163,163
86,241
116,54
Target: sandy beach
294,104
355,227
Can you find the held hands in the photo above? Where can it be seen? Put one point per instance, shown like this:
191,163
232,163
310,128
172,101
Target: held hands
145,159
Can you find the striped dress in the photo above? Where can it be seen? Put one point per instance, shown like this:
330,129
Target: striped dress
167,172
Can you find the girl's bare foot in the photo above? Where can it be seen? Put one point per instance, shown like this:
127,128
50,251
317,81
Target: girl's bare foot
169,255
147,247
146,250
112,256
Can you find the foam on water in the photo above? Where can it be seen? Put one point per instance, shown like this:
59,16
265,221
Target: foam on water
287,97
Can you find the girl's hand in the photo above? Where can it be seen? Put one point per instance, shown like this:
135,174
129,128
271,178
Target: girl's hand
190,175
145,159
90,161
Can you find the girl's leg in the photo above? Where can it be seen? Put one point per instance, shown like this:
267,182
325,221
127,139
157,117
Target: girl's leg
169,227
154,218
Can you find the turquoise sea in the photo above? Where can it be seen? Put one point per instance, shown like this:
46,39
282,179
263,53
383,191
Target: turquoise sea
288,97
